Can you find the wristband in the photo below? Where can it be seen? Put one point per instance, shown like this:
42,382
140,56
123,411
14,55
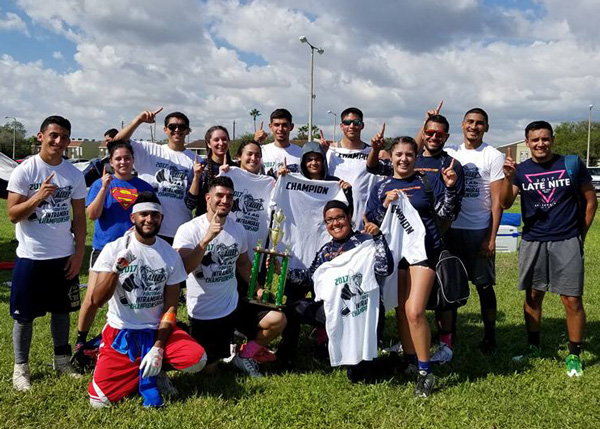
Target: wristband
169,318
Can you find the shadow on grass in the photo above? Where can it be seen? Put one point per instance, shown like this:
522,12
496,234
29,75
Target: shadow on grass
470,364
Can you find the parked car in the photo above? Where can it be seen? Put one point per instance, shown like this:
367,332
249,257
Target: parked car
595,173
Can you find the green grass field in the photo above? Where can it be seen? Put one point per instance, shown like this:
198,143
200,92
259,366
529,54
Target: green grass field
472,391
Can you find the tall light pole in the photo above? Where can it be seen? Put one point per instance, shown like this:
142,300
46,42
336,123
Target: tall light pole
303,39
15,133
334,122
587,157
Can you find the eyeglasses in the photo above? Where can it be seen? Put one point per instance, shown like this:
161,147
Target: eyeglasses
180,127
431,133
330,220
356,122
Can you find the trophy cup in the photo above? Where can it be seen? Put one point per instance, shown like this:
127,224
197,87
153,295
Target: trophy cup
275,234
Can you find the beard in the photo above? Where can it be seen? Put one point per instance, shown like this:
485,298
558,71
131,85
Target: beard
147,234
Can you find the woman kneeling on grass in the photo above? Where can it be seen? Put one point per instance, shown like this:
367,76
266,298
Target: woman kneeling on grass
415,281
338,220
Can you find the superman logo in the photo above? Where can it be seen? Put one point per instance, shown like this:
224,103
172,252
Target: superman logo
125,196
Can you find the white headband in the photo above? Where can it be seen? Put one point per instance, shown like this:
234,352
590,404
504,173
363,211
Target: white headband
146,207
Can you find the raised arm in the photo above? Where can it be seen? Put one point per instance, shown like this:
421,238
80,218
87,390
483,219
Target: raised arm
147,116
428,114
508,191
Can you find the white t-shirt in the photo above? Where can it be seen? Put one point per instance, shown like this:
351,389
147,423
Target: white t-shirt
167,170
251,201
46,233
350,294
350,165
139,298
272,156
302,201
212,286
481,166
405,234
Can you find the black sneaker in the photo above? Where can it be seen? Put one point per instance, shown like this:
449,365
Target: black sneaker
424,386
488,347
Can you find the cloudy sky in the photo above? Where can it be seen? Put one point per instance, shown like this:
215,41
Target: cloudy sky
100,62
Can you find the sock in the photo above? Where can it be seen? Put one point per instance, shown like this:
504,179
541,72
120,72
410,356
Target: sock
533,338
489,330
250,349
425,366
22,333
446,338
59,326
82,336
410,359
574,348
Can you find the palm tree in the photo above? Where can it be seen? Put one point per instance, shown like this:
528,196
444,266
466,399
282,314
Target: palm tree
254,113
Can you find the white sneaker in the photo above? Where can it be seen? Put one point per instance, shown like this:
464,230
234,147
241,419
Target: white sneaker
62,365
21,377
249,366
165,385
443,355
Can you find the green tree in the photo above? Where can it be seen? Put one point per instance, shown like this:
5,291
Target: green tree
571,138
303,133
22,147
255,113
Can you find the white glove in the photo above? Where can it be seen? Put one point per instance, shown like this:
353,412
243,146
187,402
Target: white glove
152,362
124,258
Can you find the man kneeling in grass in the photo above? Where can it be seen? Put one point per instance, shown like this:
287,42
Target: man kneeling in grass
558,203
139,277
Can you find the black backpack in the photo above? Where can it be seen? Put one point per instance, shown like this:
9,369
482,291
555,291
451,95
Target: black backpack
451,286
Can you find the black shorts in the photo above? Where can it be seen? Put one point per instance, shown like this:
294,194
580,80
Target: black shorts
40,287
216,335
93,256
433,257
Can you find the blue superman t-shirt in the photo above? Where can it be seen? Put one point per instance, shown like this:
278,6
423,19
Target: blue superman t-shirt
548,201
115,221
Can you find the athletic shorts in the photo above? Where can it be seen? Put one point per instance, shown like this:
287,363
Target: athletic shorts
433,256
216,335
116,376
552,266
40,287
93,256
466,244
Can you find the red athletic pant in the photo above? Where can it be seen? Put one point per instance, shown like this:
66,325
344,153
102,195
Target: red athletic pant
116,376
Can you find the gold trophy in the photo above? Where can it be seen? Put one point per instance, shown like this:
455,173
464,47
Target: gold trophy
275,234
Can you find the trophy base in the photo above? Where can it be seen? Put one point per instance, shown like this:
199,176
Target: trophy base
269,305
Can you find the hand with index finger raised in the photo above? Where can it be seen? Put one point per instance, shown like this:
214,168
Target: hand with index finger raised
510,167
378,141
260,135
449,175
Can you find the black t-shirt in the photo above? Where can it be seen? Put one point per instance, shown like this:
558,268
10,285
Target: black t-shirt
548,200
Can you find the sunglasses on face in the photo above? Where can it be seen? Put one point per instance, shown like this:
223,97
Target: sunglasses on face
330,220
431,133
356,122
174,127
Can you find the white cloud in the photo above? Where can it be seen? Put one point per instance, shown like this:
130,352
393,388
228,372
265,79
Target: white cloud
57,55
393,60
13,22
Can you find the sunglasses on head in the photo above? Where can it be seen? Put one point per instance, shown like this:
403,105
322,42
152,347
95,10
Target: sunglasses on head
174,127
431,133
356,122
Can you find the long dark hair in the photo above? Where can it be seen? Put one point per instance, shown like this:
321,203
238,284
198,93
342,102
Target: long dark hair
210,175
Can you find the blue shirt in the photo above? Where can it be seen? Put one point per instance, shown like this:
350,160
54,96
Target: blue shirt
413,187
115,220
548,200
431,166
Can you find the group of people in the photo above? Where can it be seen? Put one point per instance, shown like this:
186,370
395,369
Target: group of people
364,229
